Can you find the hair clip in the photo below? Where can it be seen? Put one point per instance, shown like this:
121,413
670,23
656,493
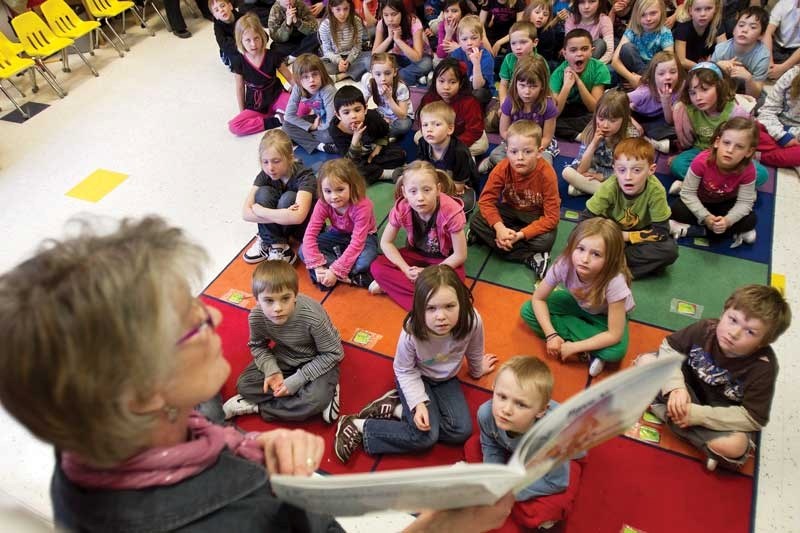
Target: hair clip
710,66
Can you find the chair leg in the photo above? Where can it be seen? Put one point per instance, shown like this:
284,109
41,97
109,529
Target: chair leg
121,40
14,85
111,42
83,57
158,12
144,24
91,43
50,78
22,111
65,61
34,85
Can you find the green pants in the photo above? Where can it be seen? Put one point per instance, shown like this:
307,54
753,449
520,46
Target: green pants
574,324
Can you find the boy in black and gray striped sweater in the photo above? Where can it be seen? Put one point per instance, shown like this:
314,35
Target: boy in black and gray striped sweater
296,353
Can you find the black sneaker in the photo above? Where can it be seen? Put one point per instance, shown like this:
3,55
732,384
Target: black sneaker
361,279
271,123
383,407
276,253
538,263
330,148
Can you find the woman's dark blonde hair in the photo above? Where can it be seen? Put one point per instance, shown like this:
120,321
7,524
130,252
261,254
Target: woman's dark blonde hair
250,22
89,325
442,178
530,69
737,124
337,27
614,258
649,77
345,171
428,282
614,104
310,63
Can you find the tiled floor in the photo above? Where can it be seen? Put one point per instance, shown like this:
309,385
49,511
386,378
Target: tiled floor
159,115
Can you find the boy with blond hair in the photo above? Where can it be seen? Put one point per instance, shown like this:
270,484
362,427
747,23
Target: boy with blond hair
445,151
722,394
479,60
635,199
296,353
522,40
520,205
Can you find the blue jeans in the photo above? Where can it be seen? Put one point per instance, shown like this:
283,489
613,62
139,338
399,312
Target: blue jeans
629,55
332,244
271,198
399,127
411,72
448,414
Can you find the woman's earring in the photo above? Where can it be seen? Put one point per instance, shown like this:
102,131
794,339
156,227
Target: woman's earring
171,412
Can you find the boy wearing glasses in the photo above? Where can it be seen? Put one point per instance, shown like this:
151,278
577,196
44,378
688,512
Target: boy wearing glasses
296,353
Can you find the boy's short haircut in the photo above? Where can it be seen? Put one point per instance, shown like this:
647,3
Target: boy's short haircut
526,26
212,2
532,374
348,95
757,12
577,33
635,148
440,109
470,23
764,303
274,276
526,128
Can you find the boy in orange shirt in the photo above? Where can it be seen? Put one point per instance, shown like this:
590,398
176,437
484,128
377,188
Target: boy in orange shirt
520,206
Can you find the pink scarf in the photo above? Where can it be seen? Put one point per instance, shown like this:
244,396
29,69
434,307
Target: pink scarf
167,466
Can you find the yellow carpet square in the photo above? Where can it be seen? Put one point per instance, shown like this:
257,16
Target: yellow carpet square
96,185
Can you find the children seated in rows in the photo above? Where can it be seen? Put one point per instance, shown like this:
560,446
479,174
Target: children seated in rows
721,397
279,201
520,205
362,135
635,199
589,320
296,353
314,89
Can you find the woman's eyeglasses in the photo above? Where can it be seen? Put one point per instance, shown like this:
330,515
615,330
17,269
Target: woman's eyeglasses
207,322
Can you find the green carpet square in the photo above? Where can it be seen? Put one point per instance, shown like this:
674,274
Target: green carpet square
382,195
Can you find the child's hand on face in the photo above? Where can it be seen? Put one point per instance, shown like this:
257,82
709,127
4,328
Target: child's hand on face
678,405
358,131
274,382
665,92
291,15
598,136
397,34
449,29
474,55
421,418
554,346
488,364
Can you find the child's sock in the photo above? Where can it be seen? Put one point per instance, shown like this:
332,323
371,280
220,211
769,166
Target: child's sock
398,411
359,424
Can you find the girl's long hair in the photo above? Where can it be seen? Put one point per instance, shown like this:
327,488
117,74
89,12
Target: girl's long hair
684,14
338,27
377,59
428,282
459,70
639,7
613,104
405,17
530,69
250,22
615,262
310,63
602,9
345,171
705,76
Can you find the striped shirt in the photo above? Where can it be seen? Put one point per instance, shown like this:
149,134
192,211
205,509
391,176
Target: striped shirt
348,45
307,341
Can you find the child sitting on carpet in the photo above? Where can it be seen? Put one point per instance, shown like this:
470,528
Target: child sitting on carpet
345,250
721,397
779,122
434,224
652,101
720,188
279,201
444,151
590,318
636,200
391,96
520,206
313,88
296,352
645,36
744,57
522,394
439,332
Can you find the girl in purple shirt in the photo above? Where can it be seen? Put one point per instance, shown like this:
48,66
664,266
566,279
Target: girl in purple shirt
652,101
348,247
428,405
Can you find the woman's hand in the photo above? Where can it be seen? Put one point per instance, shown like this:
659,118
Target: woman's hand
291,452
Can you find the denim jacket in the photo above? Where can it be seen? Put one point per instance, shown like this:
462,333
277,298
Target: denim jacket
231,495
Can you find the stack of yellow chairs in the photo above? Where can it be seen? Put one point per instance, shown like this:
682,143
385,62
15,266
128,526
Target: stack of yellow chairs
11,65
108,9
65,23
40,42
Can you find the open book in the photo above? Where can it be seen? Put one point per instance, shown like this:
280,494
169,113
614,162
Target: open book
595,415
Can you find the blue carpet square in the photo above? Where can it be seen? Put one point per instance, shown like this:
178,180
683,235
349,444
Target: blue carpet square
32,108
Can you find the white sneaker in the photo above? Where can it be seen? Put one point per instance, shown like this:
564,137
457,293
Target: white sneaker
749,237
238,406
596,367
256,252
574,191
660,146
486,165
711,464
677,229
331,412
675,188
374,288
276,253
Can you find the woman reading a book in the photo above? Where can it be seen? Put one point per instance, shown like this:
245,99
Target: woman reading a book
106,354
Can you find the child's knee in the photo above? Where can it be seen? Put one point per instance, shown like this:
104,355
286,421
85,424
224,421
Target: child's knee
287,199
645,359
731,446
266,197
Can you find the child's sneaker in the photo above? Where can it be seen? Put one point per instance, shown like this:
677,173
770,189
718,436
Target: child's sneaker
486,165
256,252
711,464
538,263
596,367
374,288
660,146
383,407
331,411
238,406
574,191
679,229
330,148
748,237
276,253
348,438
361,279
675,188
